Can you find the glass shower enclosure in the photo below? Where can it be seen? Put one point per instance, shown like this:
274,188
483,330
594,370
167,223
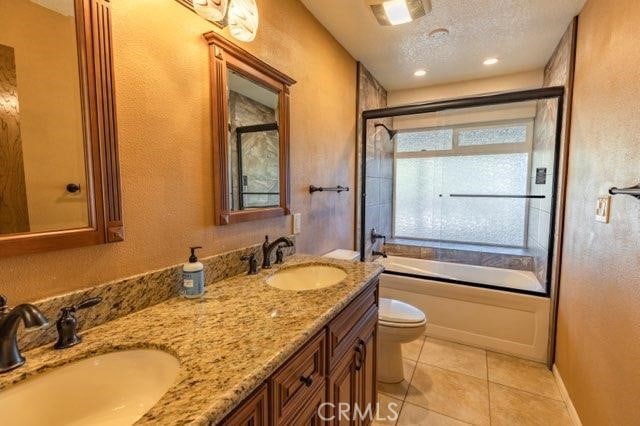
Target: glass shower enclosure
470,180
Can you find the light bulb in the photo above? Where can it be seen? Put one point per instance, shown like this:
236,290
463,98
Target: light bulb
212,10
243,19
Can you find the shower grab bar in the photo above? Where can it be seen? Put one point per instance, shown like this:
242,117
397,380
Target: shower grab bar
495,196
634,191
337,189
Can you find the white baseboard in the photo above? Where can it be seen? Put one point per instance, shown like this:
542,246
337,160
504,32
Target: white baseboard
567,399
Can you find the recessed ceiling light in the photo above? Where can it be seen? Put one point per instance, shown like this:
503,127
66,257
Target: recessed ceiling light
420,73
491,61
397,12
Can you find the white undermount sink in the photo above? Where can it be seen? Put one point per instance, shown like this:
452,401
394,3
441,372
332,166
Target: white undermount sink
112,389
307,277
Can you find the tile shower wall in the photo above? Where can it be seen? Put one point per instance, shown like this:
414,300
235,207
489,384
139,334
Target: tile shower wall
379,160
469,254
556,73
542,169
260,152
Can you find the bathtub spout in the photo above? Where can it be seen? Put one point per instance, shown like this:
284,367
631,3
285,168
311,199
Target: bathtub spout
379,253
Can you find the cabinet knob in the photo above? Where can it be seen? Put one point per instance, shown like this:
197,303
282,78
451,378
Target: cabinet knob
308,381
72,188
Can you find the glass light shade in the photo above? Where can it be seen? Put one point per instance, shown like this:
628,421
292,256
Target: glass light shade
243,19
212,10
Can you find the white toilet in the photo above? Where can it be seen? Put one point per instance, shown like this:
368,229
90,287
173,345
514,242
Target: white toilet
398,323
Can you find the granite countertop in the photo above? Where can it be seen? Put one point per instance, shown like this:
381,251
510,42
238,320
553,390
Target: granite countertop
227,343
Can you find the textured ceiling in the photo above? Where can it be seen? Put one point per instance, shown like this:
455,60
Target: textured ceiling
521,33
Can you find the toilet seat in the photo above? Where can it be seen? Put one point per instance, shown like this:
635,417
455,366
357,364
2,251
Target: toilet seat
397,314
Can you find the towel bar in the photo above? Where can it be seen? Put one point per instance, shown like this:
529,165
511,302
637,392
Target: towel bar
634,191
337,189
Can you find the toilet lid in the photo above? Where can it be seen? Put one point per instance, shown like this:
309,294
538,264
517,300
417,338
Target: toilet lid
395,311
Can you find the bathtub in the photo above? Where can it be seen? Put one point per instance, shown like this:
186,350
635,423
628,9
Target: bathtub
521,281
467,303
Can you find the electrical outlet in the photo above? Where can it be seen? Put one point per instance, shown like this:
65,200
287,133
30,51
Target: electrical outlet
602,209
297,223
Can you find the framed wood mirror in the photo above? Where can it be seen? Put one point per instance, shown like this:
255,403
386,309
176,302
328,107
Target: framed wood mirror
59,170
250,115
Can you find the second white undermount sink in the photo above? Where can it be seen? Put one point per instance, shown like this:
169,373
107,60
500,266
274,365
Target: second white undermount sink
112,389
307,277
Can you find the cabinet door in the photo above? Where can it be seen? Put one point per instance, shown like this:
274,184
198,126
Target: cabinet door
252,412
367,372
343,389
311,414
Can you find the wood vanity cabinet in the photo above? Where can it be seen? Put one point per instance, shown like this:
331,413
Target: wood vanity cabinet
254,411
337,365
353,379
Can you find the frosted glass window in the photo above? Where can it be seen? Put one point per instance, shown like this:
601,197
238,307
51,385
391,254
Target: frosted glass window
424,209
417,205
492,135
425,140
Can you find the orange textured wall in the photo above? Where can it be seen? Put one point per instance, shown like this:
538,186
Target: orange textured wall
162,88
598,336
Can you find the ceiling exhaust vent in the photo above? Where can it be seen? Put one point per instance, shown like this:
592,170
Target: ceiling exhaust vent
396,12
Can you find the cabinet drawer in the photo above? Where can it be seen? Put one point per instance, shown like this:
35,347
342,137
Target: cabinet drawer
342,328
253,412
310,415
294,384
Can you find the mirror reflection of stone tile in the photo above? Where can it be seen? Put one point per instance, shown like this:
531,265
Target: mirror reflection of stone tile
254,145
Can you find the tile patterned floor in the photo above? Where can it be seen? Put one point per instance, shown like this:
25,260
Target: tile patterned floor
451,384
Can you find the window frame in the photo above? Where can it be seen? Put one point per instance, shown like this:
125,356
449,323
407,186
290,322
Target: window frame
468,150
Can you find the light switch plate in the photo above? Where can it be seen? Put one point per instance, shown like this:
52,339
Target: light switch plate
297,223
602,209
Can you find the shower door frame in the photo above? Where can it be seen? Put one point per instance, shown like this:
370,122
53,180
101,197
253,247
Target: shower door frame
557,92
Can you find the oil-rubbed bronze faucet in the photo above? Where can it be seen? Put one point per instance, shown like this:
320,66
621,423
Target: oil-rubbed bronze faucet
33,319
267,249
67,324
253,263
375,237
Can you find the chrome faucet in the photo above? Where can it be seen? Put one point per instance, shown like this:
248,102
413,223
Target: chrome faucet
10,356
267,249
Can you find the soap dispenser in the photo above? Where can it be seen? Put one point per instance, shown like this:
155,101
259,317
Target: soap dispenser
193,277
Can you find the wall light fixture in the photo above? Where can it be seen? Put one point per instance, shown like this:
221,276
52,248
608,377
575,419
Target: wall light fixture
241,16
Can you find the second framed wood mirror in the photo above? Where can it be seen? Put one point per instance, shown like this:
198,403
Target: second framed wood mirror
250,114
